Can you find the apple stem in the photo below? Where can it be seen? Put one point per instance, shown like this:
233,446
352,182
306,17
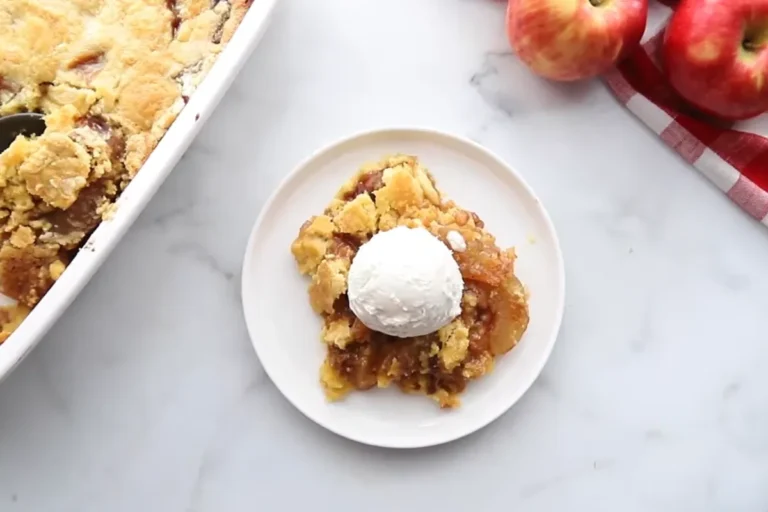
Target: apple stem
753,39
596,3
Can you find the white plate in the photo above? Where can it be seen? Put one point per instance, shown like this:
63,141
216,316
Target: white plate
285,331
136,196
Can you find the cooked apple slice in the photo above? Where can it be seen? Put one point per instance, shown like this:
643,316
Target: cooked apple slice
510,310
482,261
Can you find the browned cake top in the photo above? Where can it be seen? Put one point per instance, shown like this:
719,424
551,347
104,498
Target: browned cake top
110,76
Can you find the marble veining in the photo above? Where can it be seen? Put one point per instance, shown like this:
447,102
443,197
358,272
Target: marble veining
147,395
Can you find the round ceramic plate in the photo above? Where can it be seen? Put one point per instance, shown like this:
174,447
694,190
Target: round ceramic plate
286,333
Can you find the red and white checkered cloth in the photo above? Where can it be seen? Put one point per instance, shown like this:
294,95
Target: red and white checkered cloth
734,156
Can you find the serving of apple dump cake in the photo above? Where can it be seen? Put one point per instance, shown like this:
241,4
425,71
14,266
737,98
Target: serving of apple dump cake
110,76
398,194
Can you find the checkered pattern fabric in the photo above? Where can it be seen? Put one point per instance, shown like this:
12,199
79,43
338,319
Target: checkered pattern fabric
734,156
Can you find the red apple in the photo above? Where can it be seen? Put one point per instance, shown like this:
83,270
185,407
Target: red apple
715,54
573,39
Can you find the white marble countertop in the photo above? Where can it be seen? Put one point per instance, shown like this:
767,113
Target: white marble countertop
147,395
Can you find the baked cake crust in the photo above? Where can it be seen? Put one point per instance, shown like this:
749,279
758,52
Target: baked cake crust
110,76
399,191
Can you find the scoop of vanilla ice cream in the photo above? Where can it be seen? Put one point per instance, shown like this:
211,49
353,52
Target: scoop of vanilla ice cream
404,282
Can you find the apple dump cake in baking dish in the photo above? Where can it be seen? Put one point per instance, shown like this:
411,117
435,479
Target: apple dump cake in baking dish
412,290
110,76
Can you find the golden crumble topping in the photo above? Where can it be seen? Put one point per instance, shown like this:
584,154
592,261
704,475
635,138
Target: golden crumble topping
398,191
110,76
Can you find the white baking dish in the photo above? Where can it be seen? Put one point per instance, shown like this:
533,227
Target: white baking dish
142,188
